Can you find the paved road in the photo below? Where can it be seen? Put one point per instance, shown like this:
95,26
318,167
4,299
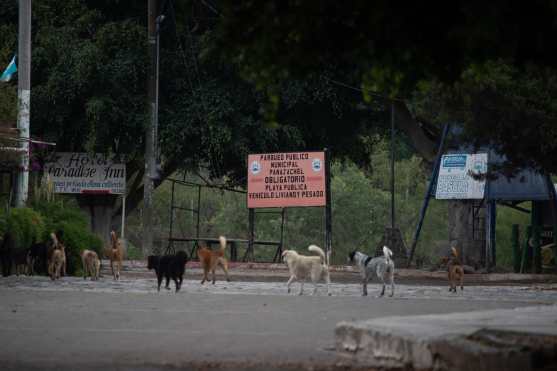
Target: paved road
76,324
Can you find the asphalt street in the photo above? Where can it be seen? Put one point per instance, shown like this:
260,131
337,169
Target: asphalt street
76,324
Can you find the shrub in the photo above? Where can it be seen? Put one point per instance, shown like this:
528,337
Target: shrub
66,216
26,226
77,239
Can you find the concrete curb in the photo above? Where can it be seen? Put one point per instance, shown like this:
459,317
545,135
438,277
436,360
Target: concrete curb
517,339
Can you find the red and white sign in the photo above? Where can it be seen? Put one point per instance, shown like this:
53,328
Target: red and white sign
286,179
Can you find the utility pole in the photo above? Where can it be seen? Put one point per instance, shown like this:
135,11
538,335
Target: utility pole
23,99
148,181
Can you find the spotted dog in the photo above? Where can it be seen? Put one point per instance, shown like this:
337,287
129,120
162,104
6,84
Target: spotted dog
381,267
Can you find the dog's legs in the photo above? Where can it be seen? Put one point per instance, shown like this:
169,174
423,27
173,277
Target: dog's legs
159,280
301,288
167,277
392,279
30,263
112,268
176,283
364,285
383,290
328,280
179,280
461,281
292,278
224,266
118,269
205,275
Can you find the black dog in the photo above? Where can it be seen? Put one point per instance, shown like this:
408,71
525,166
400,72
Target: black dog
169,266
20,258
38,258
6,251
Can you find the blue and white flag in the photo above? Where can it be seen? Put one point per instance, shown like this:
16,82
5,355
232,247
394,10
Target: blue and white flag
9,72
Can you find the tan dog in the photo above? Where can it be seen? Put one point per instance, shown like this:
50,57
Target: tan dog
456,271
57,245
56,258
301,267
116,254
210,259
91,264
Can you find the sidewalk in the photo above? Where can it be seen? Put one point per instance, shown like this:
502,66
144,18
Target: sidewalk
519,339
277,272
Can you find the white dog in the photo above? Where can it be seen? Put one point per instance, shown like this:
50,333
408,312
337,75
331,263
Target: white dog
381,267
301,267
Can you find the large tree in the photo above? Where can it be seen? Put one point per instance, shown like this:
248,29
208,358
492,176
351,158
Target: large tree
89,93
395,48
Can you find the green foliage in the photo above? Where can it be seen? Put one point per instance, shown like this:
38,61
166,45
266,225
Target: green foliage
63,214
506,217
26,226
60,211
508,108
77,239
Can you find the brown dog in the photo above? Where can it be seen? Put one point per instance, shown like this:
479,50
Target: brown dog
116,254
56,258
209,260
456,271
91,264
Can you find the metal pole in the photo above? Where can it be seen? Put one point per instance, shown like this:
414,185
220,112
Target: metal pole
328,207
123,216
432,182
392,166
198,210
171,243
24,99
251,235
148,181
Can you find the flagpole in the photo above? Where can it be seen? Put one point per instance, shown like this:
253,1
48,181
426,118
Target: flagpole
24,100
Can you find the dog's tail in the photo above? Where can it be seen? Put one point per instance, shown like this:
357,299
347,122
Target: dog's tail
387,253
319,251
454,252
222,241
113,239
54,239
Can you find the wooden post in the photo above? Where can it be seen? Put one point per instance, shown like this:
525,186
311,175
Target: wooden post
525,251
536,252
251,220
516,248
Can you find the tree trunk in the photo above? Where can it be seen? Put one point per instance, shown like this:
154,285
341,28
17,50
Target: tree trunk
100,209
467,231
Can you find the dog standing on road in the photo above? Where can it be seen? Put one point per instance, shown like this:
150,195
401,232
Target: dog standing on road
115,253
91,264
456,271
169,266
301,267
57,258
6,249
382,267
210,259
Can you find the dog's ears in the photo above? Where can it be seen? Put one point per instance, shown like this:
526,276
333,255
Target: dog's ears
351,254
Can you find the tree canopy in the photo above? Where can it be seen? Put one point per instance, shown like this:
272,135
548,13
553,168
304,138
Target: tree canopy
489,66
89,92
241,77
